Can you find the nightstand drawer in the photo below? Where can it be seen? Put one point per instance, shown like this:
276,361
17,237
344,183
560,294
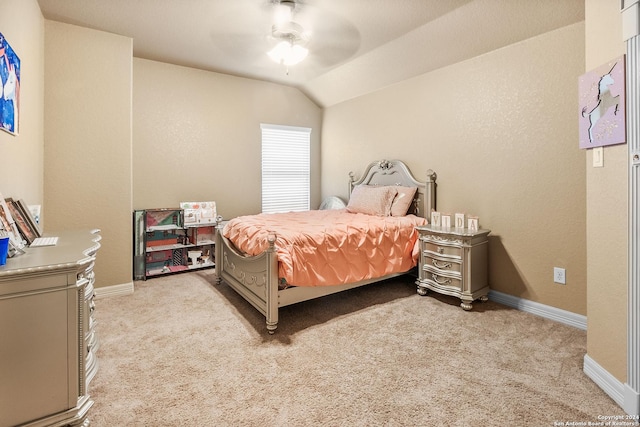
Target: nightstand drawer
433,250
442,264
443,282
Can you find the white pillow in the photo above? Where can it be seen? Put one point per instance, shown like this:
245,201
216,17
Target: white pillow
372,200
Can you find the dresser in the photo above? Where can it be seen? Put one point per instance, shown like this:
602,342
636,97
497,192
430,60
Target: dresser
48,340
454,262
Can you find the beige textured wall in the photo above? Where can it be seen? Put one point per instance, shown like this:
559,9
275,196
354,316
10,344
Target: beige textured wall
21,156
500,132
88,141
607,215
196,136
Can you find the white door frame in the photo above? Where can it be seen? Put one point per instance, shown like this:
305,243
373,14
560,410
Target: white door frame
631,34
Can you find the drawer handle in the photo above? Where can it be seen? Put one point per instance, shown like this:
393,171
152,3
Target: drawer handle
440,250
444,281
443,265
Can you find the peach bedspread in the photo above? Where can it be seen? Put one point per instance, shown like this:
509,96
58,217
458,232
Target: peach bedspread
330,247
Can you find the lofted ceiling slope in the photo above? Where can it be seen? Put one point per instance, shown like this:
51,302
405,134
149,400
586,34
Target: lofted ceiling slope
355,46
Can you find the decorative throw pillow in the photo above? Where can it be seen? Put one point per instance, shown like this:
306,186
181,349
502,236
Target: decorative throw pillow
403,200
371,200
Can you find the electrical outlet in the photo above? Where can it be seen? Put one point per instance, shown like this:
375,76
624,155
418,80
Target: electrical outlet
559,275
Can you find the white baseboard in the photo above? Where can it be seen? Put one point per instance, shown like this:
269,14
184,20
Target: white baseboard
631,401
114,290
563,316
607,382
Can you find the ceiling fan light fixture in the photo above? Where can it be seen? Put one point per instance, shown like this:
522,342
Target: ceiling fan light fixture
290,36
288,53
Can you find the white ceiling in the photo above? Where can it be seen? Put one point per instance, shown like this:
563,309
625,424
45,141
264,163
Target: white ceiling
356,46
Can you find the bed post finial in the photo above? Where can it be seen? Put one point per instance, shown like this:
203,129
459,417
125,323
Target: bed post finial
430,193
271,238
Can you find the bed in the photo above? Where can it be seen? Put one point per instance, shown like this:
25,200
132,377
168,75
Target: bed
263,261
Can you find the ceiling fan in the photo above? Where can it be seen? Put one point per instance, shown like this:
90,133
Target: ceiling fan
289,35
248,29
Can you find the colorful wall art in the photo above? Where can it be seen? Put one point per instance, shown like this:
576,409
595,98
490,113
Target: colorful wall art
601,118
9,87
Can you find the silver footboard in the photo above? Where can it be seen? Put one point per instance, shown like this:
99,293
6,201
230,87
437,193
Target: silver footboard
255,278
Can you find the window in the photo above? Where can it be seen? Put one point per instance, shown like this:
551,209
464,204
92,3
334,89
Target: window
285,168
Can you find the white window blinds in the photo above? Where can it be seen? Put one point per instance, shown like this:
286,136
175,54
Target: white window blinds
285,168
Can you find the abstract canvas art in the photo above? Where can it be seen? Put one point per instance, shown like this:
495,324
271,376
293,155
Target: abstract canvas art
601,116
9,87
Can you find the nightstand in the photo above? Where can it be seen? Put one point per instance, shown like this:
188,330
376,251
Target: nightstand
454,262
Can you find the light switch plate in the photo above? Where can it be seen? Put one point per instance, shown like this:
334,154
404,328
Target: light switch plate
598,157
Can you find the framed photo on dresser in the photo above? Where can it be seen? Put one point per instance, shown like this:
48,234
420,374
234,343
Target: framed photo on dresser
23,221
28,215
9,225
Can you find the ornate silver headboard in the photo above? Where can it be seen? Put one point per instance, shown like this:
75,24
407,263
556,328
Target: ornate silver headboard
396,172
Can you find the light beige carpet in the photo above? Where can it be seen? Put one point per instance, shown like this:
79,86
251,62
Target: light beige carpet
182,351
